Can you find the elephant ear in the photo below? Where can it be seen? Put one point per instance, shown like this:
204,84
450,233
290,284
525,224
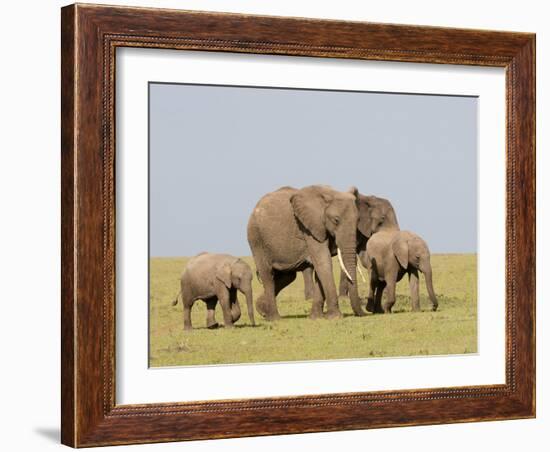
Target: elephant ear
223,273
400,249
309,206
364,215
355,192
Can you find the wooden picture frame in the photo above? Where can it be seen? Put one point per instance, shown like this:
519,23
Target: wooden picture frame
90,35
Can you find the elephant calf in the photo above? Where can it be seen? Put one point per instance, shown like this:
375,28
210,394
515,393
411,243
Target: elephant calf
212,278
389,255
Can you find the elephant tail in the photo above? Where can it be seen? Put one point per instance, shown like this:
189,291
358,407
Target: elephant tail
175,302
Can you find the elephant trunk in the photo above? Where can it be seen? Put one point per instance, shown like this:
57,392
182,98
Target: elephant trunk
342,265
250,306
349,260
430,287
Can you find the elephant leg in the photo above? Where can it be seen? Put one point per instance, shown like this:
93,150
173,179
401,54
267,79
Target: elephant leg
307,274
273,284
372,290
413,286
265,304
390,295
235,307
187,305
343,288
318,300
211,313
223,297
187,301
387,304
380,286
322,262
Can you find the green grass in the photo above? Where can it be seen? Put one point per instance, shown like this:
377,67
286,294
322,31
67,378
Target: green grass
450,330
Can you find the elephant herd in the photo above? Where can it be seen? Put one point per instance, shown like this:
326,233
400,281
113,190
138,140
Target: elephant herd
299,230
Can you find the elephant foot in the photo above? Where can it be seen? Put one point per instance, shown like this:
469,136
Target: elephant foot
333,314
272,317
357,308
374,307
213,326
267,311
370,305
315,315
434,307
260,307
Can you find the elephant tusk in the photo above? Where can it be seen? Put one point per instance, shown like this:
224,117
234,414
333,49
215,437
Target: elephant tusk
341,261
361,273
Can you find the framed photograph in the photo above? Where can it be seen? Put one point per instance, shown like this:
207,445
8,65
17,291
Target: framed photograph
280,225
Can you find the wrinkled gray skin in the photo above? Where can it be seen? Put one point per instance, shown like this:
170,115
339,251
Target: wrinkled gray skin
391,254
291,230
374,213
212,278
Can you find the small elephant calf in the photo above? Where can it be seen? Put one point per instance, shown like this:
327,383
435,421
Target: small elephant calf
389,255
212,278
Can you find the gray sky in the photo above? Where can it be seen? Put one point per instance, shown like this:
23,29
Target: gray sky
215,150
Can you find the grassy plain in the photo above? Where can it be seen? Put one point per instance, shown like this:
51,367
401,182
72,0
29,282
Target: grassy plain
450,330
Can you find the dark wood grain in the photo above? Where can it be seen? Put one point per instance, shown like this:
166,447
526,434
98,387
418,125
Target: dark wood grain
68,388
90,36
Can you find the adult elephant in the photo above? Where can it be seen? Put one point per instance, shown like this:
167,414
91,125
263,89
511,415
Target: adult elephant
293,229
374,214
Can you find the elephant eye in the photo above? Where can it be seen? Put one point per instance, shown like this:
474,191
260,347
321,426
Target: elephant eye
336,220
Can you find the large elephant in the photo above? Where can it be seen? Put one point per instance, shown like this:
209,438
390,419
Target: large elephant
389,255
293,229
374,214
212,278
